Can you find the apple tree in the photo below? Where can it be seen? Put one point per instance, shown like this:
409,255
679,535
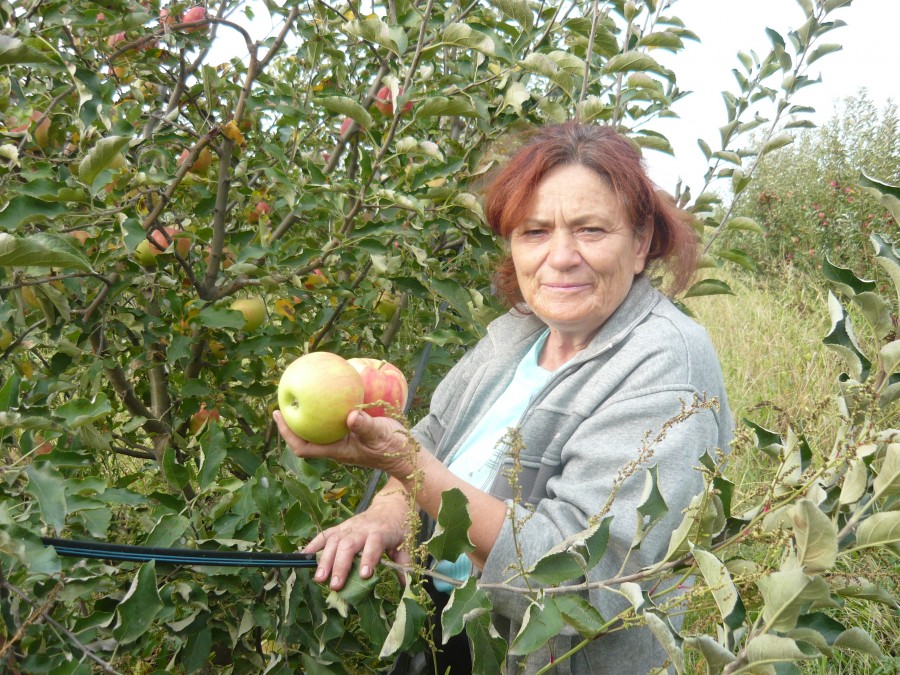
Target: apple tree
186,208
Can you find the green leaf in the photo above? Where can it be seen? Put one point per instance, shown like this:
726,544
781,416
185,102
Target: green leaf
858,640
100,157
517,10
845,279
708,287
777,142
213,447
196,651
542,622
347,106
822,50
722,588
374,29
488,648
743,224
466,603
651,508
451,535
25,209
14,51
714,653
887,258
580,614
667,637
773,649
139,607
631,61
556,568
866,590
408,621
767,441
738,257
880,529
887,482
27,547
216,317
815,536
436,106
79,411
47,486
842,340
41,250
787,594
855,481
169,529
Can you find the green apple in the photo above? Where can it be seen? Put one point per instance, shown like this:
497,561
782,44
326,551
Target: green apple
316,393
145,254
253,309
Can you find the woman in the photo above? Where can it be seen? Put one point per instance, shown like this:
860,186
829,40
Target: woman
590,360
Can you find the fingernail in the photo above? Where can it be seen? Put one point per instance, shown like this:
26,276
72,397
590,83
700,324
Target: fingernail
335,582
320,574
364,572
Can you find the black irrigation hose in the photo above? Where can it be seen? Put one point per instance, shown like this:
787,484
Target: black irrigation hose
178,556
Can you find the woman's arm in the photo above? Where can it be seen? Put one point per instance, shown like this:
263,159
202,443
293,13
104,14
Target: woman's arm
383,443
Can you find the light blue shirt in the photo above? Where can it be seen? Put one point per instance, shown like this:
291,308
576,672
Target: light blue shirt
479,457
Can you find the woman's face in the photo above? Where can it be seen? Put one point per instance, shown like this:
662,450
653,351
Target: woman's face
575,254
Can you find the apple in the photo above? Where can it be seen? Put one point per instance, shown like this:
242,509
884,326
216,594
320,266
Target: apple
261,209
386,307
204,417
345,126
6,339
253,309
385,103
316,393
145,253
382,382
201,164
113,40
42,130
193,15
167,19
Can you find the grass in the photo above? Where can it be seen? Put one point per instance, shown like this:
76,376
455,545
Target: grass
778,373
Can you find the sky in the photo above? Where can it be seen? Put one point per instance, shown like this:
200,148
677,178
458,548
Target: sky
870,58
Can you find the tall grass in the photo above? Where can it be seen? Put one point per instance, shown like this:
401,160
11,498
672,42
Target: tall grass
779,374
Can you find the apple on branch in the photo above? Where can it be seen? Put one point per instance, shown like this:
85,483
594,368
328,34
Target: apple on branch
316,393
383,383
253,309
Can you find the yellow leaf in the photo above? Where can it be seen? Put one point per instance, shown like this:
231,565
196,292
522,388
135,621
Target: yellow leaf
232,133
333,495
285,308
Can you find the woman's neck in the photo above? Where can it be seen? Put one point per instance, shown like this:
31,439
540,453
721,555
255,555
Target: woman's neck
561,348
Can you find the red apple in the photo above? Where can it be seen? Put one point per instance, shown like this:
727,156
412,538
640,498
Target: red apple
167,19
262,209
316,393
345,126
204,417
384,101
383,382
114,40
193,15
201,164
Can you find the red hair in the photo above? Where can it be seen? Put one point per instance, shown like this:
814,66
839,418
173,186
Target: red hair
614,158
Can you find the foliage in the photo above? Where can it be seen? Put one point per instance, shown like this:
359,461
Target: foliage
135,405
806,198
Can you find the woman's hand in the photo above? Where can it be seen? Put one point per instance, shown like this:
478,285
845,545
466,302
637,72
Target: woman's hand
379,529
375,442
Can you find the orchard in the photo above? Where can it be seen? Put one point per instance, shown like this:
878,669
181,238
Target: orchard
177,228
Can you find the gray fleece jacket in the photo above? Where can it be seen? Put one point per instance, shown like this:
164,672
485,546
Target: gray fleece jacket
586,424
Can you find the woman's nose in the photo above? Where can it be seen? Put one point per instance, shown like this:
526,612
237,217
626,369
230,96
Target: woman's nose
563,250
